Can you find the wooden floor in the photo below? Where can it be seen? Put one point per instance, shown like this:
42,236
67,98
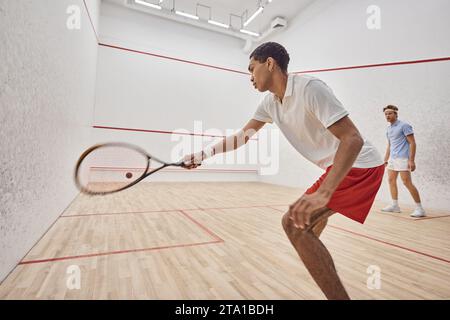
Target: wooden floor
224,241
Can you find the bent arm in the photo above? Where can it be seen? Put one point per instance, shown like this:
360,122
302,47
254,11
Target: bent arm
350,145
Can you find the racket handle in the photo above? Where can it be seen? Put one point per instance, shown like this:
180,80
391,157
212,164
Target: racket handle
179,164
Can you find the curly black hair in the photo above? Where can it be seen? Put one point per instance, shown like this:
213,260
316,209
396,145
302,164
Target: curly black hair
274,50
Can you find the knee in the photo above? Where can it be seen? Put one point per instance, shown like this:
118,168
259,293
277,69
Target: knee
286,222
392,180
408,183
291,230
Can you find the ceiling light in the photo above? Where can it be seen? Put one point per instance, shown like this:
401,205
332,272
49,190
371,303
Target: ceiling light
151,5
249,32
187,15
223,25
253,16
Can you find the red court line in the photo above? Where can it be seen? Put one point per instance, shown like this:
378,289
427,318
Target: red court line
163,132
223,208
391,244
90,19
40,238
183,211
152,211
212,234
120,213
435,217
387,214
384,242
118,252
217,239
376,65
173,170
172,58
387,64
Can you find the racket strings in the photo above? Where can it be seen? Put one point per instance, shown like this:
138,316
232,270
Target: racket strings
109,168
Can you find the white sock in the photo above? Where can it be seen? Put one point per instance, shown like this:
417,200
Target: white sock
419,205
395,203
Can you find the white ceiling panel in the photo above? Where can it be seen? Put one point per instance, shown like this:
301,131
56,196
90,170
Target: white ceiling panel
227,11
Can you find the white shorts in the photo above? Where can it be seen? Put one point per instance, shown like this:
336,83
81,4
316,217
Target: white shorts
398,164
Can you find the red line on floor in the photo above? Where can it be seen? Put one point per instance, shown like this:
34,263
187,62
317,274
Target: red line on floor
212,234
224,208
387,214
120,213
48,229
391,244
172,58
162,132
152,211
376,65
384,242
435,217
272,207
117,252
217,239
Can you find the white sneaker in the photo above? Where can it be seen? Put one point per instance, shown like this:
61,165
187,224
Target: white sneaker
419,212
391,208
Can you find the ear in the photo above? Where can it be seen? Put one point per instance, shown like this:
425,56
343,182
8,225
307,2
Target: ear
270,64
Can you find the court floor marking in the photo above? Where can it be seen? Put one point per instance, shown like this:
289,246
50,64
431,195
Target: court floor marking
394,215
382,241
165,210
238,207
217,239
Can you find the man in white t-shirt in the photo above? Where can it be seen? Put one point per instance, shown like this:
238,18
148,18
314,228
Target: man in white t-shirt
318,127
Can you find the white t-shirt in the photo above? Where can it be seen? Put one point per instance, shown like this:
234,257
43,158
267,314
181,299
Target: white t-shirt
309,107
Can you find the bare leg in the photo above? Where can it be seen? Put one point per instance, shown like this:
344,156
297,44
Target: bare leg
315,255
407,181
392,178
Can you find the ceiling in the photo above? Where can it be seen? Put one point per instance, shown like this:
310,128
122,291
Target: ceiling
220,10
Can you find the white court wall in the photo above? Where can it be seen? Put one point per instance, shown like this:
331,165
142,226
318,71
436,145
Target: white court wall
332,34
155,93
47,83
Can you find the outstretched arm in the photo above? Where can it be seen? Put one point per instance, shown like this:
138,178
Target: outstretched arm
229,143
238,139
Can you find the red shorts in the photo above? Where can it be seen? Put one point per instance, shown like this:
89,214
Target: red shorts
355,194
